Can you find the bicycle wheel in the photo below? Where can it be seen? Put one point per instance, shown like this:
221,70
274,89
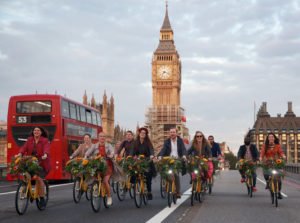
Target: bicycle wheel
131,191
174,193
77,191
137,194
145,193
88,193
114,186
210,184
272,191
104,196
21,200
250,186
169,192
121,190
193,193
162,187
40,206
276,193
95,197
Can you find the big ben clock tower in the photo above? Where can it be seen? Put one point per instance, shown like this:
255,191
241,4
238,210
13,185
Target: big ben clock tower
166,111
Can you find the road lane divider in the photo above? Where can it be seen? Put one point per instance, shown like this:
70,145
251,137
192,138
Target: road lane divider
163,214
53,186
262,181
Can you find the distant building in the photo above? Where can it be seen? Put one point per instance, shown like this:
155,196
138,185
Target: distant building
107,110
286,127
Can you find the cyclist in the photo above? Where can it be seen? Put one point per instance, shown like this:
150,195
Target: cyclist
105,150
174,146
38,145
248,151
215,147
200,147
143,146
271,149
82,148
127,145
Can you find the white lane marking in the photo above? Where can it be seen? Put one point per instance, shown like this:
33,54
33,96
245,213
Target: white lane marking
163,214
262,181
58,185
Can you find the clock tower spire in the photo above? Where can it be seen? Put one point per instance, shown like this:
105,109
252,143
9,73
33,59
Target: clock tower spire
166,111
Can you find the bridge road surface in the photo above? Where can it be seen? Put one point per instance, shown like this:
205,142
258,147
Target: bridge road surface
228,203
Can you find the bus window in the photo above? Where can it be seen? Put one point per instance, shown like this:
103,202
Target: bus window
88,116
82,114
73,111
33,106
98,119
78,112
94,118
65,109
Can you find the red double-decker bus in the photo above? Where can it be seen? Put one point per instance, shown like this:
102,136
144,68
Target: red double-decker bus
65,120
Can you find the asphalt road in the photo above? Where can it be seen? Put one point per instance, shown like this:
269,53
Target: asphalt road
228,203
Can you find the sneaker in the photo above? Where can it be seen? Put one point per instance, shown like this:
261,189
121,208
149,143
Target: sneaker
243,180
279,195
254,189
178,195
109,201
267,186
149,195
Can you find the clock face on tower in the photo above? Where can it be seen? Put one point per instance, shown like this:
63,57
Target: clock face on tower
164,72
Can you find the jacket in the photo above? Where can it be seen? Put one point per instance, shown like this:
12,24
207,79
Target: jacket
242,152
166,150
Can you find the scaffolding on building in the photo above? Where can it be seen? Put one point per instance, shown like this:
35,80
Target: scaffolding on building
159,120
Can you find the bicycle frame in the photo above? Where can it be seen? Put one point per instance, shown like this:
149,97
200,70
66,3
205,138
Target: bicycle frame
274,180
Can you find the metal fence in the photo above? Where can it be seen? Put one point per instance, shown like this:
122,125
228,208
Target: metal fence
293,168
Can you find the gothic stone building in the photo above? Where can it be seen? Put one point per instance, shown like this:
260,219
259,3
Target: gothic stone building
107,111
287,128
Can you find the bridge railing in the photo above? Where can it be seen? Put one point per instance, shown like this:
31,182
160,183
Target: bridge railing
292,168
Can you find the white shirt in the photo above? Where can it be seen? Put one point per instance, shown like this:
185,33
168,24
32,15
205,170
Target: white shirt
174,151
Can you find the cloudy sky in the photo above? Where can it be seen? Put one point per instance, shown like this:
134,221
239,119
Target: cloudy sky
234,54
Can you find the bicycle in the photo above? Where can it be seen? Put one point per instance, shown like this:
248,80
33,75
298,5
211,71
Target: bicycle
80,187
196,169
98,192
123,187
140,193
275,179
27,192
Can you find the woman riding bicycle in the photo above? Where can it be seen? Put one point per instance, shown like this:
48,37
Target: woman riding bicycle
200,147
271,150
105,150
38,145
143,146
83,148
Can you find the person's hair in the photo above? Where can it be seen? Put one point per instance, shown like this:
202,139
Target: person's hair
173,128
147,140
211,136
267,143
44,132
128,131
204,140
87,134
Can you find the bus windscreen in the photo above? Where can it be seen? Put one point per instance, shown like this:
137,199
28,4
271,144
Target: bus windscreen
24,107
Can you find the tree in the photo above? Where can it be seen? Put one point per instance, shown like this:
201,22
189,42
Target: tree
231,159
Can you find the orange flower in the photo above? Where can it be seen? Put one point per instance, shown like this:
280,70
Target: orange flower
34,159
128,157
141,156
68,162
166,157
17,160
85,162
172,161
98,157
278,161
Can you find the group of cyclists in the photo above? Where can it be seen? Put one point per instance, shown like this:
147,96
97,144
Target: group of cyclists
271,150
38,145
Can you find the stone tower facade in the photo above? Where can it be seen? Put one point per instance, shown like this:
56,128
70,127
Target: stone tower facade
166,111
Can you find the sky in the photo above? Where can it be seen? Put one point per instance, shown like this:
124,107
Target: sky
235,55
